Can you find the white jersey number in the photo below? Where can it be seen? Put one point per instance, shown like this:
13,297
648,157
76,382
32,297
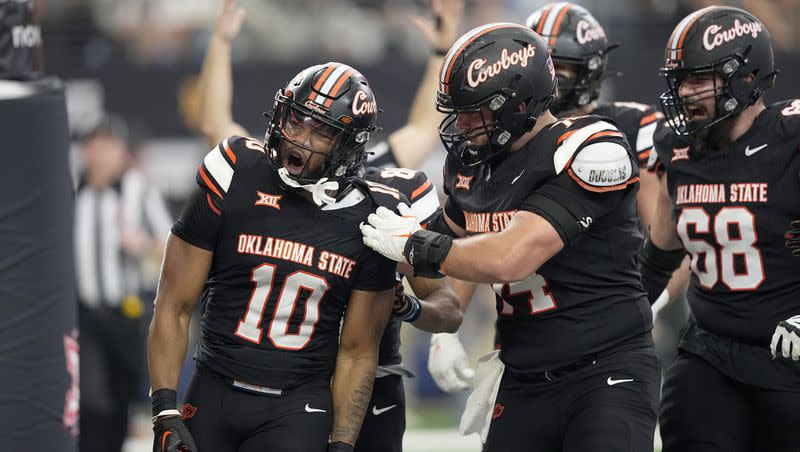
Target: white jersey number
290,295
720,265
533,290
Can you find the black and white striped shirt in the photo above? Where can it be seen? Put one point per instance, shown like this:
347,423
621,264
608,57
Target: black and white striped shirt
106,273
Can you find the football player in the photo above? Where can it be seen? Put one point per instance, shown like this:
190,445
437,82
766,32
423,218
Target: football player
579,48
270,238
732,173
384,423
546,213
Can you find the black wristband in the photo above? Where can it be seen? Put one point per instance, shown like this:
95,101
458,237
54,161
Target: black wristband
414,309
425,250
440,52
164,399
340,446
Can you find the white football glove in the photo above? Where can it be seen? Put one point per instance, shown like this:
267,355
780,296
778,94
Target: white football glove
388,232
786,340
448,363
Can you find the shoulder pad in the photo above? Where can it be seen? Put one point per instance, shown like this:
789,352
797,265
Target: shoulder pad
603,166
216,171
575,137
384,195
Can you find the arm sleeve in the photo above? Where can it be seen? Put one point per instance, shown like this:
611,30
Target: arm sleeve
570,208
199,223
376,273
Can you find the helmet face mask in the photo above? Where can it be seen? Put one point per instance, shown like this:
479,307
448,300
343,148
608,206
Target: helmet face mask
494,83
467,134
724,45
318,129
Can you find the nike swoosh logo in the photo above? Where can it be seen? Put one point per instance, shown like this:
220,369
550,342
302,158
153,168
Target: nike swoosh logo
748,152
314,410
612,382
518,176
378,412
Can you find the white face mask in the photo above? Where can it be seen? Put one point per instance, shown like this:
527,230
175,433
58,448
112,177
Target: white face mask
318,190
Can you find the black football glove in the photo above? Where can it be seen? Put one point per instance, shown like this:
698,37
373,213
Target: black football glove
792,237
171,435
786,339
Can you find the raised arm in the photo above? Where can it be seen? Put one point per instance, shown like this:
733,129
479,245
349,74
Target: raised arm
356,362
412,143
216,83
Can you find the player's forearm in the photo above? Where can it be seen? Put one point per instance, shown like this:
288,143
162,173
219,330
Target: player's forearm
166,346
352,390
440,312
216,91
490,258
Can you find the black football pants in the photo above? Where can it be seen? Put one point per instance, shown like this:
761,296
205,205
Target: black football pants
706,411
224,418
385,420
608,405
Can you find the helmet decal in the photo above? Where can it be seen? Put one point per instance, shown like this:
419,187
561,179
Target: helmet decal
479,72
715,36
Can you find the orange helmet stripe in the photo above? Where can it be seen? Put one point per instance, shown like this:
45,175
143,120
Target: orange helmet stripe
543,19
675,43
338,85
557,24
322,79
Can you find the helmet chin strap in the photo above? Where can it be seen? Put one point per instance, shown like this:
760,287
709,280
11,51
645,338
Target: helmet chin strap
317,190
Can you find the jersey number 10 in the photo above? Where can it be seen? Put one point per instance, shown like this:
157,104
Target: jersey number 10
291,293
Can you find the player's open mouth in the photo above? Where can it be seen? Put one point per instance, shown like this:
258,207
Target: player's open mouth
696,113
294,162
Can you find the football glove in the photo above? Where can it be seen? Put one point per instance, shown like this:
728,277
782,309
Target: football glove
171,435
448,363
786,340
388,232
792,237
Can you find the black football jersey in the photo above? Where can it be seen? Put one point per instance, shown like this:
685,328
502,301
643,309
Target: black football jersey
732,207
283,268
589,296
637,121
419,190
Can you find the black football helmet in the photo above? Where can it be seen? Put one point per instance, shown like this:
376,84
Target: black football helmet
719,40
328,110
573,37
502,70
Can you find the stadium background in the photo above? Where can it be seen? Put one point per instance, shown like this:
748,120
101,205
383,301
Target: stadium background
138,58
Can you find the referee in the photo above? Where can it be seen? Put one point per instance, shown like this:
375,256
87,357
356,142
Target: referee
120,221
38,351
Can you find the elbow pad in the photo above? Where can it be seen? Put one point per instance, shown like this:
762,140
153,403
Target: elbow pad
656,267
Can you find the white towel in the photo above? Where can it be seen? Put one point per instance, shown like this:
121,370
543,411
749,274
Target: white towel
480,405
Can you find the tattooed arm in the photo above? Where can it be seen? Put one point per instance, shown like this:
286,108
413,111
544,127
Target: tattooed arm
357,360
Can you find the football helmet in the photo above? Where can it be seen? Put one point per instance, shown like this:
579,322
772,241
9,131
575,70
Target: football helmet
503,73
719,40
575,38
320,124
